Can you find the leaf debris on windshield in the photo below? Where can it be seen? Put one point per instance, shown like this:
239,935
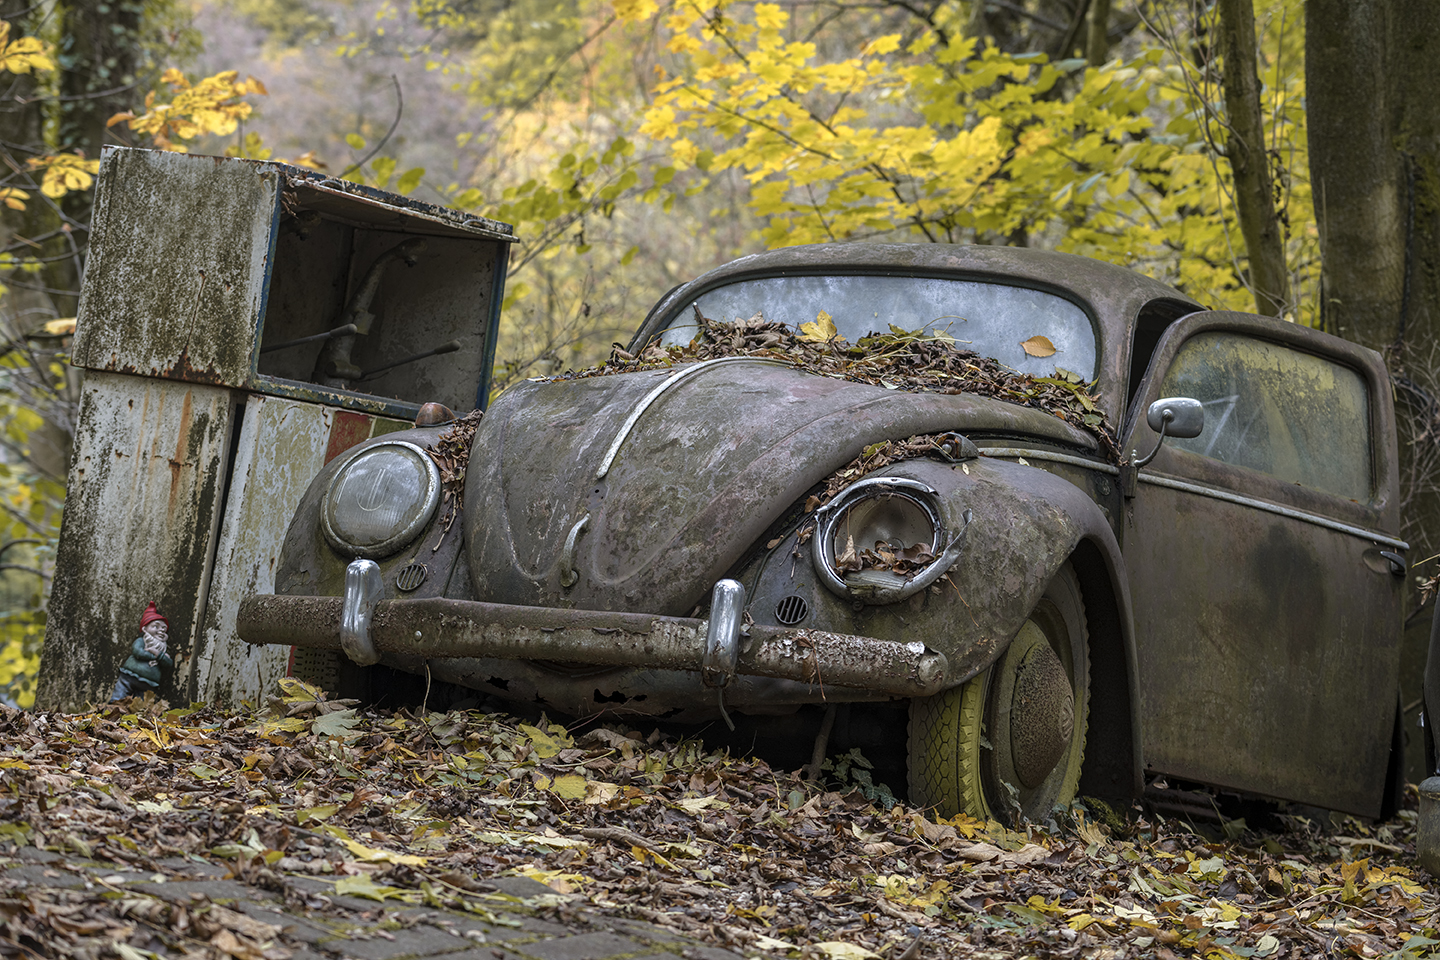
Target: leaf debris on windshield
907,360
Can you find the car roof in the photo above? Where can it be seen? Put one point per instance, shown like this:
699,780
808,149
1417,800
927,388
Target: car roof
1112,295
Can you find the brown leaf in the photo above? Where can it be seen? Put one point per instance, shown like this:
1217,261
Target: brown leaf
1038,346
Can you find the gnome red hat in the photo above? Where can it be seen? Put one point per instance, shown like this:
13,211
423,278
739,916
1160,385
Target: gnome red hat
150,616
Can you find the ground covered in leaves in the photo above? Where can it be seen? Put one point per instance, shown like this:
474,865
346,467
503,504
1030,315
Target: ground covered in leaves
422,807
898,360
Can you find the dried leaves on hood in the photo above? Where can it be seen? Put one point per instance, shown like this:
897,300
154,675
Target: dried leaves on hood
423,808
906,360
451,453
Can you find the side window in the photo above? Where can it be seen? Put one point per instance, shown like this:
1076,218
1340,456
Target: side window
1150,323
1292,415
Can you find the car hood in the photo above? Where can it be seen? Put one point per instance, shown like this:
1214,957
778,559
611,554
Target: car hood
704,471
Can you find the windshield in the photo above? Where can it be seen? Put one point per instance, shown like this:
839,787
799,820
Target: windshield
993,319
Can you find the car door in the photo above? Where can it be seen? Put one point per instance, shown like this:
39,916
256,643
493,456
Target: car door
1267,618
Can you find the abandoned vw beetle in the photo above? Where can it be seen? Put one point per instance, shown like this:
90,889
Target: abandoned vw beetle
1189,568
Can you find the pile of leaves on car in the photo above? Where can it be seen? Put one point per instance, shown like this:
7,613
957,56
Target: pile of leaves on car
909,360
422,807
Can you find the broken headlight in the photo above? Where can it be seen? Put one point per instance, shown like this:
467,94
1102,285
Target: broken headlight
883,539
380,500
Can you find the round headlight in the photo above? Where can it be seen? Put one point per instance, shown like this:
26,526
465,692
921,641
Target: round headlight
882,540
380,500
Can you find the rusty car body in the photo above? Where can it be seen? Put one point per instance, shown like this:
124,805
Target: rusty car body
1219,605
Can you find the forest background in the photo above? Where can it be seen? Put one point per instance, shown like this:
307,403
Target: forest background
1266,155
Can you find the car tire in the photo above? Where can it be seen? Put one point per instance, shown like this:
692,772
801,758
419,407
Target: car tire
995,747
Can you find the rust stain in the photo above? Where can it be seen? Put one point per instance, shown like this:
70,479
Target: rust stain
346,430
182,448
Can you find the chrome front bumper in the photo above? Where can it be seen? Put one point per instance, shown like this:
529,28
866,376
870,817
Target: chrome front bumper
439,628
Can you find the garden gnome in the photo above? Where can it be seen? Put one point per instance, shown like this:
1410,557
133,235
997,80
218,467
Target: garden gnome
141,671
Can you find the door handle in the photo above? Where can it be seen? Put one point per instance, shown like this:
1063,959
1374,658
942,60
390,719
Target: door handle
1397,562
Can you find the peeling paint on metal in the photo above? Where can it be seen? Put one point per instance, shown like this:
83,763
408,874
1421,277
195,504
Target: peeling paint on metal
176,296
282,446
139,523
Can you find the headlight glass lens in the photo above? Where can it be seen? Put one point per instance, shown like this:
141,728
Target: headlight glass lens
380,500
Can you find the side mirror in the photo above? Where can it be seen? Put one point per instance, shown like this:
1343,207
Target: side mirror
1171,417
1176,417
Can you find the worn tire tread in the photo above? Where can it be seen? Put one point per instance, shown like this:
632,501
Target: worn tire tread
941,774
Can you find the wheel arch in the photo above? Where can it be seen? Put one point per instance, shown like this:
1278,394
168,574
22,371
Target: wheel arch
1113,756
1052,520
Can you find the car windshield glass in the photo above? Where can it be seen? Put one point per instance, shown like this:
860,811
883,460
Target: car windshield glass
1015,325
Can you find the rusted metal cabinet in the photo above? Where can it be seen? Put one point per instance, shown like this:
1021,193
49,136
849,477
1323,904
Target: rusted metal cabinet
212,393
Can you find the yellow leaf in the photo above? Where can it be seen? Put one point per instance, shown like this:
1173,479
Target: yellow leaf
632,11
769,16
839,950
307,814
571,786
283,725
649,856
363,886
600,792
61,327
375,855
696,804
546,744
1038,346
298,691
821,330
25,54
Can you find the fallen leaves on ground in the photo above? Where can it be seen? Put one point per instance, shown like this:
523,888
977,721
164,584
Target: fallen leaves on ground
424,807
907,360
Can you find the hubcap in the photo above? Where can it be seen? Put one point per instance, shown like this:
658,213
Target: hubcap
1042,714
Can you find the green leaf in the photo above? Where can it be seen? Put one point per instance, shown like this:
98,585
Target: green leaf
355,140
409,180
339,724
319,813
363,886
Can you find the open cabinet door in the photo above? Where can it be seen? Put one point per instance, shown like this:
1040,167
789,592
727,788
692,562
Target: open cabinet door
1265,567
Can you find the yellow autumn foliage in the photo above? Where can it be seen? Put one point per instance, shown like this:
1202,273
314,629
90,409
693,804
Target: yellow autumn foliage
947,139
211,106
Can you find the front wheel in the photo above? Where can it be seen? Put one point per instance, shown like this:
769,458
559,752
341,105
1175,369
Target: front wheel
1008,743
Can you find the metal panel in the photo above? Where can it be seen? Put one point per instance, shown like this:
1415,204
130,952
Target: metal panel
1267,662
176,294
140,517
283,444
1267,624
282,447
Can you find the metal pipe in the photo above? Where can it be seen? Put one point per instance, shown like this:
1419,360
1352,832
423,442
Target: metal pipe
449,346
336,332
435,628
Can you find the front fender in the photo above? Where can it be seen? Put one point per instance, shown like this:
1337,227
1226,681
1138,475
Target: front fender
1025,524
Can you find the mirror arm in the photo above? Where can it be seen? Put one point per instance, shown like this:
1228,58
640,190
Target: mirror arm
1165,419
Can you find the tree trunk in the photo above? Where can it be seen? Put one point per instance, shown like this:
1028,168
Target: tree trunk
1097,46
1249,162
99,54
33,230
1354,173
1371,72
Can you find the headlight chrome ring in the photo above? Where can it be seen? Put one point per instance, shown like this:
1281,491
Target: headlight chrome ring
887,509
380,500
